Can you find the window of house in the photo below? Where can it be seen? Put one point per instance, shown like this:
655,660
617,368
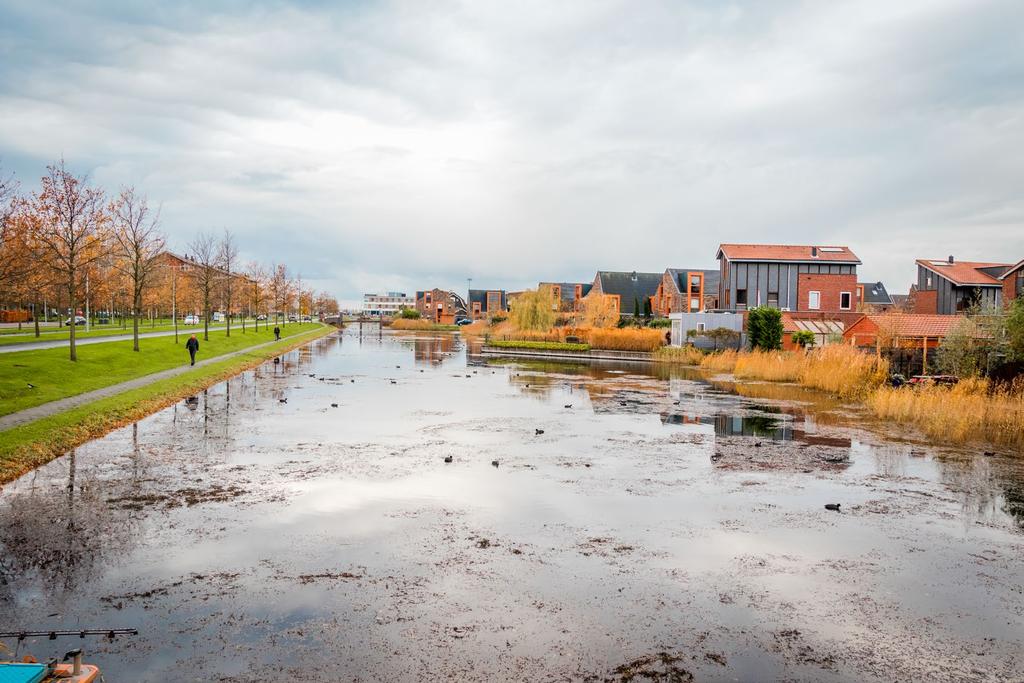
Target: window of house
928,281
694,304
773,299
741,297
813,300
1020,283
695,281
844,301
701,327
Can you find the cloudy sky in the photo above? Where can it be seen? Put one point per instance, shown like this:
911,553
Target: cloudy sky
405,145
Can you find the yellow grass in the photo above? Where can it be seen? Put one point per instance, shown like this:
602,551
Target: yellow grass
417,324
723,361
972,410
837,368
627,339
684,355
477,328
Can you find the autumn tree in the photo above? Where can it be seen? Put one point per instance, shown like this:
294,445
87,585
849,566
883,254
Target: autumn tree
205,274
279,288
257,275
227,257
12,235
533,310
71,215
599,311
139,244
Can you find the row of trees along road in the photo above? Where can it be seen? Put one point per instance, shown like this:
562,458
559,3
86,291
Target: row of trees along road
69,245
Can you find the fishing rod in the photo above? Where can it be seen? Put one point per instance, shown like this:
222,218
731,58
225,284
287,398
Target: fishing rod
81,633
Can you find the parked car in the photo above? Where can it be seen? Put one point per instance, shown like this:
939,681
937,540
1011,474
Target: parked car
463,321
191,319
307,319
79,320
292,319
218,317
261,316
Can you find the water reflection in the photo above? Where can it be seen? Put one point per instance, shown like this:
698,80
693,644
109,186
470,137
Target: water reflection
255,521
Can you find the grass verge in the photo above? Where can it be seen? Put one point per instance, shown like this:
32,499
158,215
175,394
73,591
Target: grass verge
36,376
539,345
29,446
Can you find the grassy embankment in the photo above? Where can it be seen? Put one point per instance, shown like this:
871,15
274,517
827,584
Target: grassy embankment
34,444
27,335
30,378
422,325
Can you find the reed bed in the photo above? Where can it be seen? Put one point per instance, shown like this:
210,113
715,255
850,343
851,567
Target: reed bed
419,324
973,410
838,369
627,339
477,328
683,355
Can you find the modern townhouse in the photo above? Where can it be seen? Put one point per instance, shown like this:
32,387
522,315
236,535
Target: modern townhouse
686,290
631,292
567,295
485,303
440,305
947,287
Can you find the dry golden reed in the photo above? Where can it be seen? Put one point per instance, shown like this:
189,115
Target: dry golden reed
415,324
972,410
683,355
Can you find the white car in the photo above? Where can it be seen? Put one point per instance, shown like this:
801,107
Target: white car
79,320
191,319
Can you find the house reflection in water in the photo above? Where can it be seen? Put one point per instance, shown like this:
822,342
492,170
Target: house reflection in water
762,426
432,350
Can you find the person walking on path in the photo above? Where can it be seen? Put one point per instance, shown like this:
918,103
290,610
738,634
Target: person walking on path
277,333
193,346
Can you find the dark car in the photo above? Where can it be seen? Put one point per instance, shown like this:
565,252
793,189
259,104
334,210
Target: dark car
463,321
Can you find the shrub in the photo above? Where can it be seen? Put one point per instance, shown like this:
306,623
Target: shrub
660,322
803,338
764,328
543,345
410,314
683,355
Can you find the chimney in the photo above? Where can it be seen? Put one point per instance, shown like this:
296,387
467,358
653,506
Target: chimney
951,258
814,252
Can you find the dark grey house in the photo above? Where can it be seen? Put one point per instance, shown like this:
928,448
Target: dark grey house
632,291
787,276
949,286
874,294
487,302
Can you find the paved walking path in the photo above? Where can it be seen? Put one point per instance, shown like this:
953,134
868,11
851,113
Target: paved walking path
82,341
61,405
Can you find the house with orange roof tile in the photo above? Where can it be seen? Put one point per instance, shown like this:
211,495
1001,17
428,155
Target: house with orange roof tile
948,286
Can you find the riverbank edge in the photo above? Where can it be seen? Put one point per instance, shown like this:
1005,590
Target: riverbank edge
26,447
591,355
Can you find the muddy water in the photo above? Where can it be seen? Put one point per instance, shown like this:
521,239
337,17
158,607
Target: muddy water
660,526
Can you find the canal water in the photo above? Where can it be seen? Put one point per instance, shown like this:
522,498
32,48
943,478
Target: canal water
605,522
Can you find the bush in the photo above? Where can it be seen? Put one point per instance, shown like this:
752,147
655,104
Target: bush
803,338
541,345
409,314
764,328
660,322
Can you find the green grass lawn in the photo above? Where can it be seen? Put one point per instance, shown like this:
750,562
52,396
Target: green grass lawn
27,335
100,365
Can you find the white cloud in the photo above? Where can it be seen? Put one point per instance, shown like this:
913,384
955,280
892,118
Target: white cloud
405,145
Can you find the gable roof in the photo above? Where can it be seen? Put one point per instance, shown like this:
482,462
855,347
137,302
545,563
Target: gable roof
875,293
912,324
629,286
800,253
973,273
1012,269
711,278
480,296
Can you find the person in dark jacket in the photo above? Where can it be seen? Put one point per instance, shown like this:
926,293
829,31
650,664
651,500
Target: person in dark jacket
193,346
277,332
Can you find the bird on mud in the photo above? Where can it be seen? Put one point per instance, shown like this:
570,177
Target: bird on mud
832,506
538,432
494,463
282,400
568,405
448,458
394,382
334,405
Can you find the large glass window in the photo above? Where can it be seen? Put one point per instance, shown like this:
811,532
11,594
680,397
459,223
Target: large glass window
814,300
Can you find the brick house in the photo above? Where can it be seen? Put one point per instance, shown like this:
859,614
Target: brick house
1013,282
567,295
484,303
949,286
630,292
795,278
440,305
686,290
